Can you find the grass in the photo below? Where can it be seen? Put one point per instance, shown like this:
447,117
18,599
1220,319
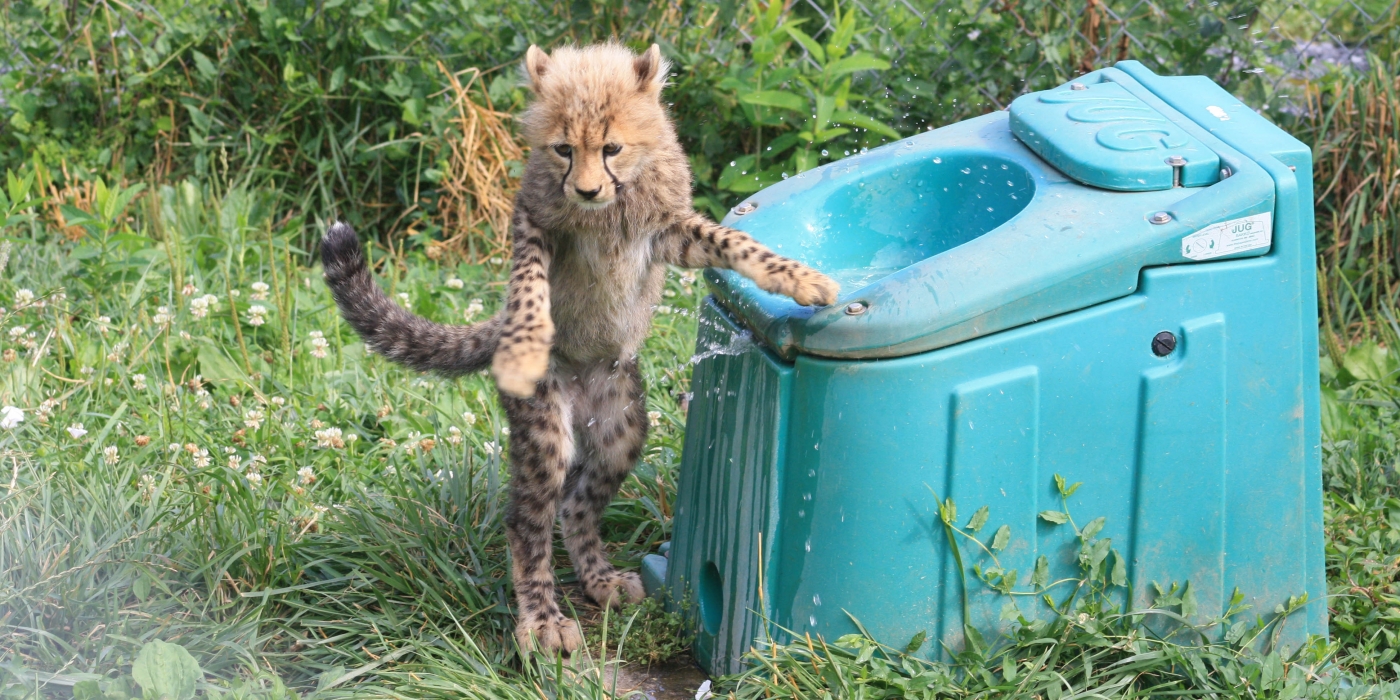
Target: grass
334,521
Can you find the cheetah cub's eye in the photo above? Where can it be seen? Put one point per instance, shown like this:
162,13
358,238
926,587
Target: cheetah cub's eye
563,149
611,149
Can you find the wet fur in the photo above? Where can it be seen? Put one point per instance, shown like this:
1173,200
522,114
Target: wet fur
604,206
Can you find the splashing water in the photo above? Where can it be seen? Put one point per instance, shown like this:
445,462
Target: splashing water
738,344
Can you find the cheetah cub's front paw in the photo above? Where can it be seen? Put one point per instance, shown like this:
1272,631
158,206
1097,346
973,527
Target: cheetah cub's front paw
550,634
617,588
519,368
812,288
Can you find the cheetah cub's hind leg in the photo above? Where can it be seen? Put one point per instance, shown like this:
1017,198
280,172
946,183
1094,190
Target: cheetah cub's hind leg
541,449
611,426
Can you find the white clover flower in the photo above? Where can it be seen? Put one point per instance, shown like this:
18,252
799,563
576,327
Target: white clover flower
200,306
235,293
202,459
474,308
85,370
305,476
253,419
229,450
138,382
254,479
403,298
505,430
454,435
11,417
687,278
109,454
351,437
257,314
492,449
77,430
116,354
319,345
654,417
496,261
454,283
189,290
24,297
278,401
469,418
148,486
162,316
663,309
173,447
104,324
17,332
235,463
329,438
669,293
259,291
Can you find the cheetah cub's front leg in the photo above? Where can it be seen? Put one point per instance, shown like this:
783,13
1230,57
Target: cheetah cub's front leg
522,356
695,241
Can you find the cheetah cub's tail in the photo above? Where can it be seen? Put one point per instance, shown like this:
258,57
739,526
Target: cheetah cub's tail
390,330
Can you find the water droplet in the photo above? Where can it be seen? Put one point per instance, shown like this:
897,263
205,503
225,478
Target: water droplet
937,160
809,545
823,152
801,513
989,208
1010,183
817,600
806,496
813,620
811,472
1003,166
967,171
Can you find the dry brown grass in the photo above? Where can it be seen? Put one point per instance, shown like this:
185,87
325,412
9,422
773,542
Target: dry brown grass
477,188
1352,126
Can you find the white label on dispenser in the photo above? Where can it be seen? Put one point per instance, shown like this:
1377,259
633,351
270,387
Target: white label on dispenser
1228,237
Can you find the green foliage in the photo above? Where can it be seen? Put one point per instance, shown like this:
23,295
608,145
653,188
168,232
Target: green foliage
1084,645
166,671
644,633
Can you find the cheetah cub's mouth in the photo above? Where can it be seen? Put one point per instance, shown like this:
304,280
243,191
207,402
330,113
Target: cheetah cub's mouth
596,120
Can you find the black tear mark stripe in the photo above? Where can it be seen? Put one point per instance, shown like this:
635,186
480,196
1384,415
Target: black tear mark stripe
564,181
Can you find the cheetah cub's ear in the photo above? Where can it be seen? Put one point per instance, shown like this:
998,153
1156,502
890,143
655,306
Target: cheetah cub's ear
651,70
536,63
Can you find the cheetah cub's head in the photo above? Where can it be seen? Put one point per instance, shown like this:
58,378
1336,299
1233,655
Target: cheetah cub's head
597,117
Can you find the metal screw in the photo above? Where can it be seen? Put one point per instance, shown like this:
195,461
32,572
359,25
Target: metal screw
1225,172
1163,343
745,208
1078,86
1160,217
856,308
1176,161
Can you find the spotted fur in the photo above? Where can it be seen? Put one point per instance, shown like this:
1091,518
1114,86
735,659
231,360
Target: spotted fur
604,206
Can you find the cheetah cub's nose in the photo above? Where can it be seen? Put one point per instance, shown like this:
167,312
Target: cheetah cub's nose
588,194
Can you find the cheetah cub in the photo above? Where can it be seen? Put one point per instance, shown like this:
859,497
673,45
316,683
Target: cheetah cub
604,206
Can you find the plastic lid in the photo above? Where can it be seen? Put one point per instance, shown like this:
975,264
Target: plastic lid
1104,136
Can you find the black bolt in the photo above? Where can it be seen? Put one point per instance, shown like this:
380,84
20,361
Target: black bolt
1163,343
